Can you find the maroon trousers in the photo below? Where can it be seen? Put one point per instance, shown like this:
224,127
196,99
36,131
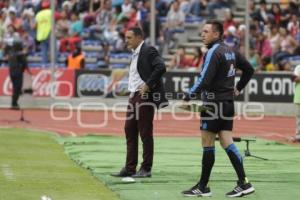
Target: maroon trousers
139,120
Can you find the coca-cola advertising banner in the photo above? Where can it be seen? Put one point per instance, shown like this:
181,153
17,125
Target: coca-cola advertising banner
40,83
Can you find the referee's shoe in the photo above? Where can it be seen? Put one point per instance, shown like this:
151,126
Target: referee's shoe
242,189
197,191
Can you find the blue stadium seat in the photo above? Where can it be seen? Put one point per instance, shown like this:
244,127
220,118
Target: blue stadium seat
193,19
91,42
294,60
91,66
118,65
61,65
101,64
120,55
34,65
91,54
162,19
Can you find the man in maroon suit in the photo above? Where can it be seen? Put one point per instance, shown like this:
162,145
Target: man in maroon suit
146,93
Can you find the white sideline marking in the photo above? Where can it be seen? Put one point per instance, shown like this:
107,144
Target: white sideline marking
63,131
8,173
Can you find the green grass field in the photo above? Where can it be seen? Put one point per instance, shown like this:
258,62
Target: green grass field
177,167
35,164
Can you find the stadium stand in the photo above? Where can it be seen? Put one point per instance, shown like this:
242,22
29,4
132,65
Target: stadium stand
103,23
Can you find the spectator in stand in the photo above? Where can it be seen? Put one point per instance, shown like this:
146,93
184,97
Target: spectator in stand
143,12
81,6
185,6
62,25
197,60
287,13
14,20
34,4
175,22
18,5
11,35
67,7
2,23
118,17
228,21
68,44
231,39
110,34
274,38
126,8
293,26
103,20
267,65
43,26
287,47
94,6
241,33
198,7
162,8
276,14
119,45
76,59
28,43
29,22
254,59
90,16
4,4
212,5
132,20
251,7
179,61
263,47
261,14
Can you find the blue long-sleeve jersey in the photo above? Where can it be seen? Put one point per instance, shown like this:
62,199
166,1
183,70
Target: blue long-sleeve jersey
216,80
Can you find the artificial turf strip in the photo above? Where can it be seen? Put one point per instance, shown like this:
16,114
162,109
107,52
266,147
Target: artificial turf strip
177,167
33,164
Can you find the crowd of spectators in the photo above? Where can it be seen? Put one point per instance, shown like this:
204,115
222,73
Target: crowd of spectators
274,34
274,29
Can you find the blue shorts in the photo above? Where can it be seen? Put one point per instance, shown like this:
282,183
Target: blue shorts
218,117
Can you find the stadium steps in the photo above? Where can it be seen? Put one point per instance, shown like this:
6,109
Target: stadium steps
191,44
91,45
188,50
194,39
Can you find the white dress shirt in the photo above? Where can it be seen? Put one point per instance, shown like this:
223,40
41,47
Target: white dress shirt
135,80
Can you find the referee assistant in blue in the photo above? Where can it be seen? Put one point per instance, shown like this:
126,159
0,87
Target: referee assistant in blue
217,88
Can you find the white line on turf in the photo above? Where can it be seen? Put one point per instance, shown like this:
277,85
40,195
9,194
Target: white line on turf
8,173
63,131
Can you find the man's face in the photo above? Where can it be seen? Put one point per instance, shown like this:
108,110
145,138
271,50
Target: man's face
132,41
208,35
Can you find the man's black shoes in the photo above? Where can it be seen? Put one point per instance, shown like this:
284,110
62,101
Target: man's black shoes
142,174
123,173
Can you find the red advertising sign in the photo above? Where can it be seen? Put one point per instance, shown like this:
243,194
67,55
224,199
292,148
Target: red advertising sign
40,82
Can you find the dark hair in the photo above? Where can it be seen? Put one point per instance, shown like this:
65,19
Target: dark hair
137,31
199,51
262,2
217,26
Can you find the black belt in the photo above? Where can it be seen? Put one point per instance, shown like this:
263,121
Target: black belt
132,94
